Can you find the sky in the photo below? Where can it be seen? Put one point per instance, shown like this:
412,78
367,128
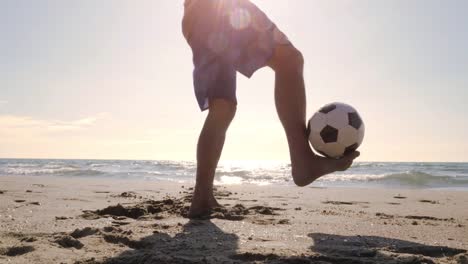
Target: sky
112,79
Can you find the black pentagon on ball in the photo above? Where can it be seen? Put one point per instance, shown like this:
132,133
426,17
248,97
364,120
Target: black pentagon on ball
354,120
351,149
329,134
327,109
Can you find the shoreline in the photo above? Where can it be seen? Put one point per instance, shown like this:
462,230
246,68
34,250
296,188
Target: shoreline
288,184
269,223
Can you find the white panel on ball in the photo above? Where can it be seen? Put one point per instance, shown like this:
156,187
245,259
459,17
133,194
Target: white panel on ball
361,133
334,150
337,118
317,122
347,136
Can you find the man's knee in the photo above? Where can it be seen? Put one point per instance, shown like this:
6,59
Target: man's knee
222,109
287,58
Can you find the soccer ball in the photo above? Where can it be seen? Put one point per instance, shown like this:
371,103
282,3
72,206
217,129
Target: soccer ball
335,130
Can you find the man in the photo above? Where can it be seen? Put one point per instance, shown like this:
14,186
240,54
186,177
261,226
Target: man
230,36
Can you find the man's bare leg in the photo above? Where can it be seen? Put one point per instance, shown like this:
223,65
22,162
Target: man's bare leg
290,100
209,148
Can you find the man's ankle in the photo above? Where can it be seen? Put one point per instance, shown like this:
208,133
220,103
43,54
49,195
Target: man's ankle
203,190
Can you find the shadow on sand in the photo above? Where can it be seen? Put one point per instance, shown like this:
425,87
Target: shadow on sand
200,241
204,242
375,249
337,249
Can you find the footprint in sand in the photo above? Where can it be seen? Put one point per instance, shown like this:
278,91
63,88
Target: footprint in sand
271,221
87,231
177,206
28,239
428,201
16,251
69,242
126,195
423,217
343,203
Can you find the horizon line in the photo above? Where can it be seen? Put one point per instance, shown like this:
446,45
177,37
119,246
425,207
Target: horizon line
188,160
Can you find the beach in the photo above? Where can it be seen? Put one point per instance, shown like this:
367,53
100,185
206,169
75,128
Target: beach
92,220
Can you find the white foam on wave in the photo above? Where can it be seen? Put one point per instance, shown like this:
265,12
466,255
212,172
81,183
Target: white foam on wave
38,171
230,180
350,177
234,180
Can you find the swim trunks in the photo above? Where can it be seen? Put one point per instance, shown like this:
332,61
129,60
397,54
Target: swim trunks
226,37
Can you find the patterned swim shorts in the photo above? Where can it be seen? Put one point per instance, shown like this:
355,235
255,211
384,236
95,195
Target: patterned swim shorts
226,37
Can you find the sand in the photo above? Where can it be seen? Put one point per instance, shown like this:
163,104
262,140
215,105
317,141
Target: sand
80,220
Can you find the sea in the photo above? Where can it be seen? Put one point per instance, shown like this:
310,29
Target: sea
412,175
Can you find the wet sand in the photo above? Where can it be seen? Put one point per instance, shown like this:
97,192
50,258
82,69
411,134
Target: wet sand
79,220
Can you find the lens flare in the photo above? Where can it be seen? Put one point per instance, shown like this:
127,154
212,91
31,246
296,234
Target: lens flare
240,18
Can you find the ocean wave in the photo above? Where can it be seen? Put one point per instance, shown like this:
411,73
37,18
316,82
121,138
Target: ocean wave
55,171
235,180
409,178
98,165
369,164
252,175
418,178
413,175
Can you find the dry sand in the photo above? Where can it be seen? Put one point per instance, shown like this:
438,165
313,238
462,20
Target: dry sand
56,220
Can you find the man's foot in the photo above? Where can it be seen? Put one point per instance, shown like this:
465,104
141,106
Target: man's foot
343,163
306,172
202,207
